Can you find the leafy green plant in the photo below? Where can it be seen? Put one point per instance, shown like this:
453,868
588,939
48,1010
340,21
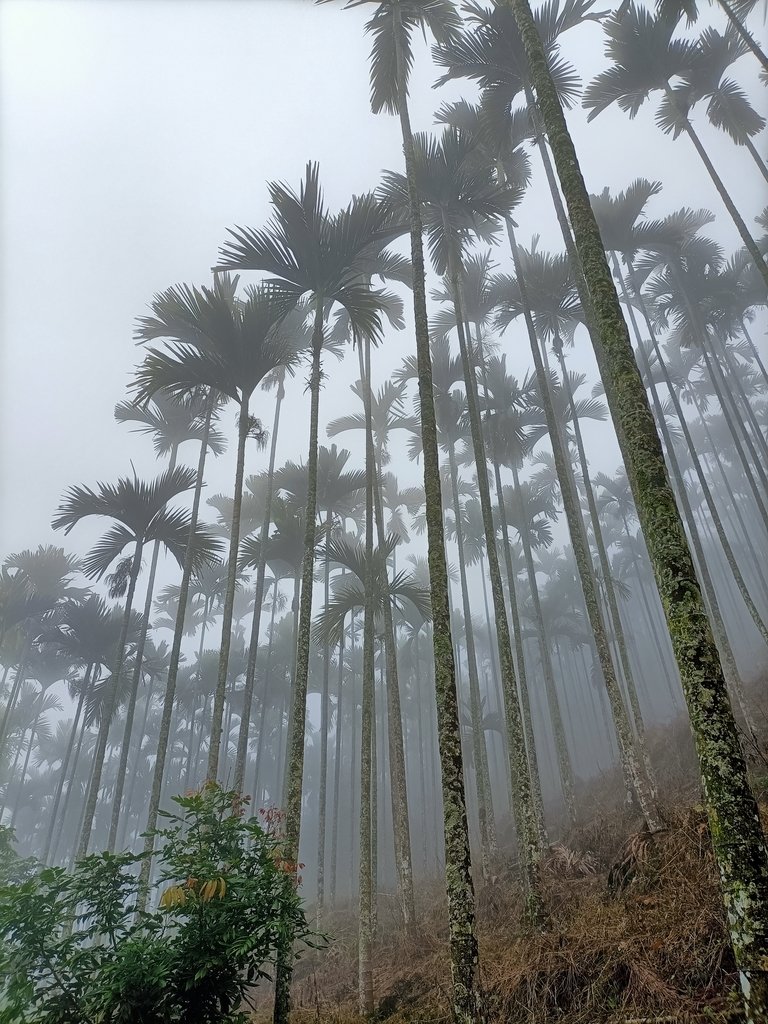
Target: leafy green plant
74,948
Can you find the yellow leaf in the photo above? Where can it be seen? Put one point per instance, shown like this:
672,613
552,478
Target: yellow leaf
173,896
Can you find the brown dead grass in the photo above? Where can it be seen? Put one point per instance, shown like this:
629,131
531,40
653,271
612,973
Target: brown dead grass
635,926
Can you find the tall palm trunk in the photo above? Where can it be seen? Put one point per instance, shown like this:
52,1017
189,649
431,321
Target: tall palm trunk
63,817
522,674
460,892
164,732
18,679
735,825
85,689
134,774
743,32
117,799
337,772
730,669
722,191
219,697
479,749
610,590
367,769
250,674
696,463
264,703
397,775
519,767
324,719
293,781
629,759
107,712
564,765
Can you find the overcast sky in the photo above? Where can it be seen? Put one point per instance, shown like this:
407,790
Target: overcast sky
133,133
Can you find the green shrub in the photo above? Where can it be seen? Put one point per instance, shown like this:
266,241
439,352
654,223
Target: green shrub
74,948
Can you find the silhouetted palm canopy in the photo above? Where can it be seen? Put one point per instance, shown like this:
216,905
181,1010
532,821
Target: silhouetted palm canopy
392,26
308,251
139,509
349,590
459,193
215,339
171,421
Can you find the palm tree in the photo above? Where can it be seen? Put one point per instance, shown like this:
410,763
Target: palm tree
736,833
34,584
460,198
328,257
550,289
624,232
229,345
383,413
392,25
647,58
141,515
728,107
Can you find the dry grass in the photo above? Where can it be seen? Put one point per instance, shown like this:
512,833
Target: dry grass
635,927
635,932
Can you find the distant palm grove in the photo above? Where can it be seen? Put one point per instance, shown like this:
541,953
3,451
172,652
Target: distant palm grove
432,646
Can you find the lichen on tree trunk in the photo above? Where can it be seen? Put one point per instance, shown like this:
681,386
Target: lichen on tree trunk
737,836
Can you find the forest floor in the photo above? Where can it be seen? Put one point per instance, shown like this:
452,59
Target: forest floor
636,929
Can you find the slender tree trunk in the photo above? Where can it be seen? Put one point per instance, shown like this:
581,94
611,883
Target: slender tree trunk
367,769
734,822
85,689
610,590
299,703
110,703
219,697
132,788
564,765
324,720
722,191
479,750
250,674
761,166
524,810
743,32
126,743
397,776
700,475
163,736
460,892
730,669
629,759
73,778
337,771
18,679
264,702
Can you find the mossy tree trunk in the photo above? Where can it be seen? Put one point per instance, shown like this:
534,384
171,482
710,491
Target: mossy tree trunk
479,749
295,766
522,793
735,827
610,590
458,876
395,741
367,737
630,761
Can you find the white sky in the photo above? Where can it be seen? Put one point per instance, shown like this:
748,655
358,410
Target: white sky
132,134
